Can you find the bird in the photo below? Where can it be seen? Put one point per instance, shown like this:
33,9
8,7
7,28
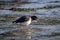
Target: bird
25,20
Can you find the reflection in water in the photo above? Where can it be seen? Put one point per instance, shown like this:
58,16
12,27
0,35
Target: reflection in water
23,33
33,32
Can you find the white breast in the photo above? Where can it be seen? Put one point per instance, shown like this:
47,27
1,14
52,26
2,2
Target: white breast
26,23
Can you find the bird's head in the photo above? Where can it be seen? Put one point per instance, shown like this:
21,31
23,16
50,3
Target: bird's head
34,18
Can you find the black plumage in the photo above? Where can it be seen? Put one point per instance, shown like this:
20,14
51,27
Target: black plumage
22,19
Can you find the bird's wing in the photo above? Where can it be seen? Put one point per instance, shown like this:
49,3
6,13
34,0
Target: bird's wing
21,19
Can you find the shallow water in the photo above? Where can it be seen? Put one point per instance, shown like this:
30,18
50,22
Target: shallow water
47,9
32,32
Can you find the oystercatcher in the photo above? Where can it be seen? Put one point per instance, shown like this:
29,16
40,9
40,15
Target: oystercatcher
25,20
